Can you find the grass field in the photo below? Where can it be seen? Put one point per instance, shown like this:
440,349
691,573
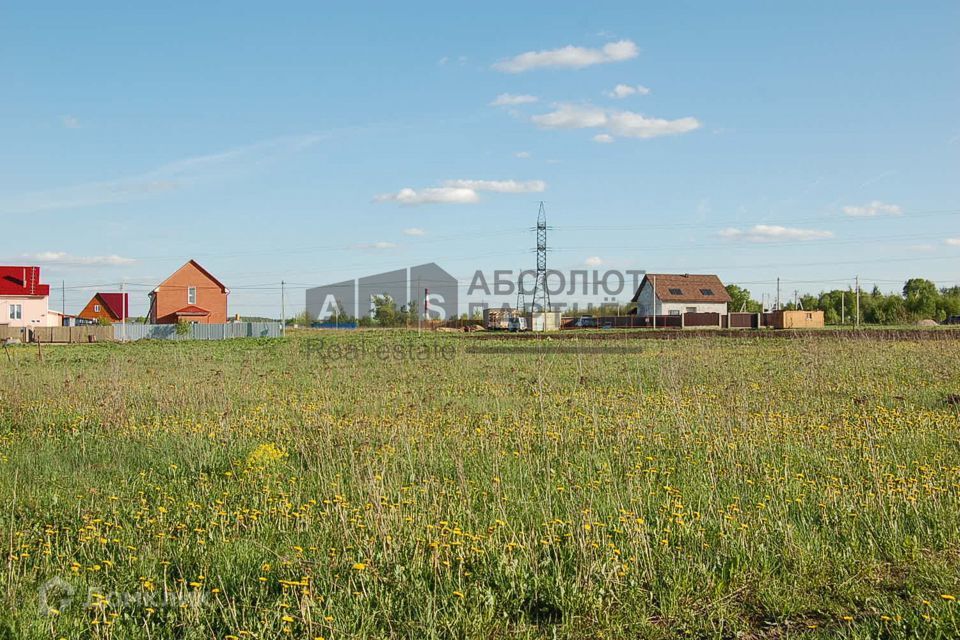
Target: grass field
654,489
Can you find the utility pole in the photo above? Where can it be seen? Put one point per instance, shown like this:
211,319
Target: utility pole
63,298
654,297
778,293
843,308
858,302
283,309
123,312
419,315
796,300
426,303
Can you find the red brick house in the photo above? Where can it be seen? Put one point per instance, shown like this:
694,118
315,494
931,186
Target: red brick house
191,294
114,307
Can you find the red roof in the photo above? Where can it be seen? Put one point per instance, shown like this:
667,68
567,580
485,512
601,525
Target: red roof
191,310
22,281
118,304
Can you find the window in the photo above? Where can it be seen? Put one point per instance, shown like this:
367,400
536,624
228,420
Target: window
706,292
16,312
691,309
191,295
676,292
675,312
96,308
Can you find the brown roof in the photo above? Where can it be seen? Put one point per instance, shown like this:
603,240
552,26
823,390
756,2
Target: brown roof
686,287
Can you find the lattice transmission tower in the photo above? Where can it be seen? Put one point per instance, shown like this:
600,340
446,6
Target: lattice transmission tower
540,289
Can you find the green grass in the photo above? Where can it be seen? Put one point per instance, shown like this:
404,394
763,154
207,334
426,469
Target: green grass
717,487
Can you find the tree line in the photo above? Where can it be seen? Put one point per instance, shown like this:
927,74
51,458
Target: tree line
920,299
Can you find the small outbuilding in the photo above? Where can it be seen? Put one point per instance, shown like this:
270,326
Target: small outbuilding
112,307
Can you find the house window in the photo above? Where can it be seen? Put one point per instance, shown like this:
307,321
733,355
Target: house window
96,308
706,292
191,295
691,309
675,312
676,292
16,311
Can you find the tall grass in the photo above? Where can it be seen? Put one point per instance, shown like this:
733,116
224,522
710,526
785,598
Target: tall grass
698,488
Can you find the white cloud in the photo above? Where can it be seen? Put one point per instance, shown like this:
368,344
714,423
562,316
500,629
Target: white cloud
460,191
70,122
499,186
625,90
63,258
509,99
414,231
603,138
522,154
571,116
569,57
593,261
871,209
435,195
634,125
773,233
953,242
627,124
375,246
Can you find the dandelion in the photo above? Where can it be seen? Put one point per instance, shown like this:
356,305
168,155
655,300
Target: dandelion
359,566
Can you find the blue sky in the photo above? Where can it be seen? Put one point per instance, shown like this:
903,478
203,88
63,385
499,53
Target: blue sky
309,141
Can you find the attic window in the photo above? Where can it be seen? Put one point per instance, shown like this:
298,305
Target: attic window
191,295
676,292
96,308
706,292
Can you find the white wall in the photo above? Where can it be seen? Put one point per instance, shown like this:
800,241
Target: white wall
700,307
34,312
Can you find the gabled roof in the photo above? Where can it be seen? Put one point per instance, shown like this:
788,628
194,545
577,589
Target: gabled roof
116,304
199,268
686,287
191,310
22,281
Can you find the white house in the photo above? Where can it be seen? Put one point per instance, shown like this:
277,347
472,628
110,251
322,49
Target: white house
677,294
24,302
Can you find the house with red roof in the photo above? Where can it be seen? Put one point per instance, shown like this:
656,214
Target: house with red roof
190,294
24,301
112,307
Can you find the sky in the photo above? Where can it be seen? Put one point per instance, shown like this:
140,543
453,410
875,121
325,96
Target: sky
316,142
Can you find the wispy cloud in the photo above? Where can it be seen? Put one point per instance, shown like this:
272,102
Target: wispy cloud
871,209
626,90
593,261
953,242
625,124
460,191
168,177
70,122
569,57
414,231
522,154
66,259
773,233
603,138
509,99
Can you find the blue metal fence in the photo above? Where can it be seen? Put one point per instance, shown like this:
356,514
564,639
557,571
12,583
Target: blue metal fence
199,331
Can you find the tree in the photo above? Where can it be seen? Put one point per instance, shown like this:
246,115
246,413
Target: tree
741,300
921,297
